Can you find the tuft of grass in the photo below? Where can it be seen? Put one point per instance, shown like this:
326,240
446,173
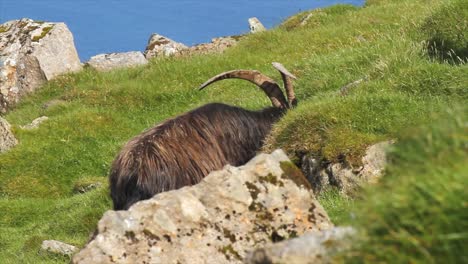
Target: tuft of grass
423,218
446,32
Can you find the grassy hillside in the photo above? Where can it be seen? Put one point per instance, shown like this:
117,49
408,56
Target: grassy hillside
389,44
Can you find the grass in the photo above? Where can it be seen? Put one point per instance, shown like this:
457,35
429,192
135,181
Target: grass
423,218
383,43
446,31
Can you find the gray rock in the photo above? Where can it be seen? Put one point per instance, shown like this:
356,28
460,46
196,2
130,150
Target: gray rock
58,247
345,89
7,139
305,20
217,45
31,53
313,247
160,46
111,61
35,123
255,25
345,178
216,221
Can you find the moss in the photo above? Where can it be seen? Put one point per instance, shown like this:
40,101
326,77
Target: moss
229,252
43,34
254,191
22,24
31,28
3,29
229,235
272,179
130,235
293,173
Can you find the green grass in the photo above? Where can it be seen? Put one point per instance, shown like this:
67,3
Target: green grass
423,218
446,32
97,113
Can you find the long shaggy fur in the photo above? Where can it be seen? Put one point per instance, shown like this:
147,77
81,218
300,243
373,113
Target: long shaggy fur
183,150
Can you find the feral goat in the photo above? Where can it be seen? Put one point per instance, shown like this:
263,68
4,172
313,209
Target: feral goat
182,150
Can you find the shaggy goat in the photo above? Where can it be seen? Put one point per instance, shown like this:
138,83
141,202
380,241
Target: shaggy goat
183,150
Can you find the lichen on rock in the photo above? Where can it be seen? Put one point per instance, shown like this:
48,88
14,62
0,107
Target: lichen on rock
218,220
31,53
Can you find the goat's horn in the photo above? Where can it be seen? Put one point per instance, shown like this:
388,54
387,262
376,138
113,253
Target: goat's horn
287,80
269,86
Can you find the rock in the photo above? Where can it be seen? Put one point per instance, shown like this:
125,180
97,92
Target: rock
58,247
84,188
216,221
31,53
111,61
345,89
217,45
322,174
255,25
7,139
35,123
313,247
160,46
305,20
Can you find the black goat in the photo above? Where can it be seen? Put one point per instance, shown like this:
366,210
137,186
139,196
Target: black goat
183,150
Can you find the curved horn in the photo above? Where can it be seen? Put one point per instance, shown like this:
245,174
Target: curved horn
269,86
287,80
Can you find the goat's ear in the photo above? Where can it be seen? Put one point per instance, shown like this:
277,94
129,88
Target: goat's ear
288,86
283,70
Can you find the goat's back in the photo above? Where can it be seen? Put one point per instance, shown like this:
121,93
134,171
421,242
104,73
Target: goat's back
181,151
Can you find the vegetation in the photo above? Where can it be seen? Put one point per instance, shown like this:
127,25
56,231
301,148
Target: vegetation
383,43
423,218
446,31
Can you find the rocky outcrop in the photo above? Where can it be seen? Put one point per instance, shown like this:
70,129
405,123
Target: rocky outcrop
160,46
218,220
255,25
7,139
111,61
311,248
57,247
346,178
217,45
31,53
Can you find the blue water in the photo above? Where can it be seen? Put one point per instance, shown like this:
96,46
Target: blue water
103,26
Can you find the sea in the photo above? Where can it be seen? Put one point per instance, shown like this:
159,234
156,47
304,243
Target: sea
105,26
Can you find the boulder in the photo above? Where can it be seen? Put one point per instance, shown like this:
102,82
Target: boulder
160,46
7,140
255,25
311,248
218,220
31,53
341,175
57,247
111,61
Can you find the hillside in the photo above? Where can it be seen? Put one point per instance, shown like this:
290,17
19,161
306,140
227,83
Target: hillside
411,58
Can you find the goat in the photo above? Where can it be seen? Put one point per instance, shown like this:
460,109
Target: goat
181,151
